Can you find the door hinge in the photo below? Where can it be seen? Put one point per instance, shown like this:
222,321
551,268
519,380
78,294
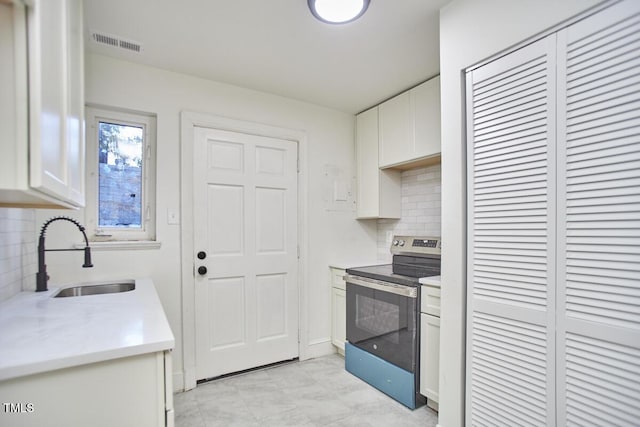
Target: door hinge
298,252
298,164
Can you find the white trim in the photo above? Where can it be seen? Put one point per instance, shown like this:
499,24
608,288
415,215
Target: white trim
319,348
121,245
178,382
148,122
539,36
188,120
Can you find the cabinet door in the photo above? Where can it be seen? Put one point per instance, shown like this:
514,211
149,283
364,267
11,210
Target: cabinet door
339,317
378,190
127,391
56,100
598,307
425,101
75,106
48,88
13,102
396,130
429,356
368,195
511,247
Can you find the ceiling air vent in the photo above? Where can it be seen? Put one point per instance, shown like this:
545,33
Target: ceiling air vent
114,41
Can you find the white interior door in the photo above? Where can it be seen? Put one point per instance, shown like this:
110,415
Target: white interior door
511,248
245,221
598,311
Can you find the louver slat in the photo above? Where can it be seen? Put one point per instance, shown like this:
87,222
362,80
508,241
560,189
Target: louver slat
616,204
509,381
599,234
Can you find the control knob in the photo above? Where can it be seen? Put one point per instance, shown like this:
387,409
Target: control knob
396,242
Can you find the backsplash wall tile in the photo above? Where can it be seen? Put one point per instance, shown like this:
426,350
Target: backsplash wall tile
18,255
421,198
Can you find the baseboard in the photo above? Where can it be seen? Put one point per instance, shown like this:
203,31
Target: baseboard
319,348
178,381
315,348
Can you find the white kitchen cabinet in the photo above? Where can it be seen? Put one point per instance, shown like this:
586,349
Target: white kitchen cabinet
338,309
378,194
396,133
42,147
426,118
430,358
128,391
430,344
410,125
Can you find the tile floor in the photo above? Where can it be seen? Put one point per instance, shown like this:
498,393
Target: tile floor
316,392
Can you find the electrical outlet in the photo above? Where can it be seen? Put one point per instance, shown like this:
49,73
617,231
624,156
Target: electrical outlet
389,236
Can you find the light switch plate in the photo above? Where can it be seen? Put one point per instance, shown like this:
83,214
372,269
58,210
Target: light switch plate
173,218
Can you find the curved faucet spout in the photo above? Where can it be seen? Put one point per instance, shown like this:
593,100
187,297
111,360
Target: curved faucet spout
42,277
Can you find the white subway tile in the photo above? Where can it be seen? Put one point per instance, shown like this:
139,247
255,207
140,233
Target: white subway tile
18,258
420,204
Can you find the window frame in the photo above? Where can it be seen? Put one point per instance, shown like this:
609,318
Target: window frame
94,115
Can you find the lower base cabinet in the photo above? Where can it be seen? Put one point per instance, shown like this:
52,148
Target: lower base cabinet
130,391
430,345
430,354
338,309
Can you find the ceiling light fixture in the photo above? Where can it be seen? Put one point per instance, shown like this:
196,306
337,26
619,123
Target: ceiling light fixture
338,11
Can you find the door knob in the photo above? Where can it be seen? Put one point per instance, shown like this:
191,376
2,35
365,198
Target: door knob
202,255
202,270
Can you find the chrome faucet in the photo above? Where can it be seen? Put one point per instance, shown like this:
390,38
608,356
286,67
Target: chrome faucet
41,276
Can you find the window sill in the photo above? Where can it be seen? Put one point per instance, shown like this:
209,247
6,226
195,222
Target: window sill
122,245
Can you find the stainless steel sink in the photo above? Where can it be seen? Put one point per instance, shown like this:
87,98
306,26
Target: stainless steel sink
96,289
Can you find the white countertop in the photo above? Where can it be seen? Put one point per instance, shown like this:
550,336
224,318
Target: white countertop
40,333
351,263
432,280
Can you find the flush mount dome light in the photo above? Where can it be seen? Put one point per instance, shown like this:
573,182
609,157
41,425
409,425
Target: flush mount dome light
338,11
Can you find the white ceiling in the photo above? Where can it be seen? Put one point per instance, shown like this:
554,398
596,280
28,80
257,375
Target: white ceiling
277,46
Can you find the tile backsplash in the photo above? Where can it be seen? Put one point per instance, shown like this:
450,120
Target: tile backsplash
421,196
18,256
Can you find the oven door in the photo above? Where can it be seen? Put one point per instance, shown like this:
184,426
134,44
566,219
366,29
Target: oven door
382,319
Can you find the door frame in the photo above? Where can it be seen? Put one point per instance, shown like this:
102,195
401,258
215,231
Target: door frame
189,120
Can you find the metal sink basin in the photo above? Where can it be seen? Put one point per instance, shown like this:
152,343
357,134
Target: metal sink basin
97,289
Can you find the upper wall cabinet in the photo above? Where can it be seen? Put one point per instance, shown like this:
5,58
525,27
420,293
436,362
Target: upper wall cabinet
410,125
379,190
42,146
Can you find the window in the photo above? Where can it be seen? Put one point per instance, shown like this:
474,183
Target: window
120,175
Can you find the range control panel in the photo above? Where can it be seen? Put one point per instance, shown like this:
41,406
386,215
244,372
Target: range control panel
416,245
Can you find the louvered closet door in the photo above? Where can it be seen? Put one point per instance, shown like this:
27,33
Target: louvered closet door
599,219
511,211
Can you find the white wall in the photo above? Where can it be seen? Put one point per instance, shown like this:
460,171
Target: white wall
471,31
330,138
420,209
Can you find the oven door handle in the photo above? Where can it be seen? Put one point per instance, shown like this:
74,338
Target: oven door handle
405,291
